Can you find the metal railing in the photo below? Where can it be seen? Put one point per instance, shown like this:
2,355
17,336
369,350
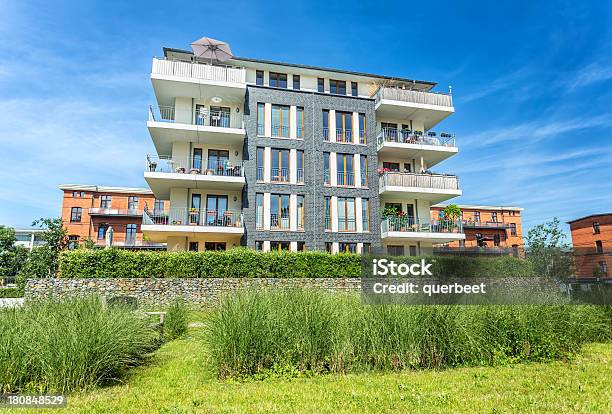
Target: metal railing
299,132
100,211
179,216
413,96
279,222
191,165
300,176
411,224
345,179
344,135
438,181
280,131
198,71
260,174
485,224
202,117
325,134
405,136
279,175
326,177
362,137
261,129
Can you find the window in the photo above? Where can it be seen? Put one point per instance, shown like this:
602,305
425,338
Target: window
344,127
367,248
364,170
217,214
321,85
260,163
477,216
598,246
596,228
279,245
603,268
513,229
193,246
218,161
329,247
326,168
259,211
299,132
346,214
259,245
214,246
196,160
354,89
75,214
301,246
412,250
325,123
261,110
220,116
105,201
280,121
158,207
102,231
496,239
337,87
278,80
279,211
300,212
362,129
280,166
296,82
344,165
73,242
494,217
391,166
259,75
347,247
395,250
130,233
132,202
78,194
328,213
365,214
300,166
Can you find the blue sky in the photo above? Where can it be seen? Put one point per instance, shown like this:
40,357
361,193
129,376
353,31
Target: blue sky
532,86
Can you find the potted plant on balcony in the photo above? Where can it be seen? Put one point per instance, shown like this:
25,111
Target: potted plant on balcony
194,171
210,171
450,216
382,171
180,170
193,216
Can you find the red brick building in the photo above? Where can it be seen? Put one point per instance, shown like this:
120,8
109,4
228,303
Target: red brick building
592,241
487,229
88,211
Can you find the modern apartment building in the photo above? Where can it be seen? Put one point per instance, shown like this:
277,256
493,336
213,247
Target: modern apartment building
592,242
488,229
272,156
88,211
28,238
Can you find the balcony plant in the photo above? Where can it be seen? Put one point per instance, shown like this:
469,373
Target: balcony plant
382,171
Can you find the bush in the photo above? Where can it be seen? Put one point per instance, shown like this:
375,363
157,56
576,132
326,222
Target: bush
67,345
242,262
175,324
11,293
254,333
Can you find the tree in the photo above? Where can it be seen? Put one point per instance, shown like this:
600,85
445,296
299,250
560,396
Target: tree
548,250
452,212
12,258
43,260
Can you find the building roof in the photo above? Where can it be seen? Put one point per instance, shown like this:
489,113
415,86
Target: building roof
105,189
429,84
28,230
479,207
589,216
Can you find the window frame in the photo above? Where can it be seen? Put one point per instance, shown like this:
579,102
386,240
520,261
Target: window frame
345,202
321,85
296,80
275,80
354,89
280,110
76,214
259,80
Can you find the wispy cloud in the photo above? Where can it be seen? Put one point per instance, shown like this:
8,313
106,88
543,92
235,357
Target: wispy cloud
590,74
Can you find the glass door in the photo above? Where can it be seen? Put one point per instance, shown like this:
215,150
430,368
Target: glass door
194,210
196,162
200,115
220,116
217,214
218,161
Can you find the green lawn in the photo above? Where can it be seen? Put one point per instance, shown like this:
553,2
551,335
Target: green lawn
179,380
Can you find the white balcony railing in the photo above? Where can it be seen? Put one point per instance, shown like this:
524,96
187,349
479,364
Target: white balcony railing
413,96
193,217
437,181
194,165
411,224
404,136
196,70
202,117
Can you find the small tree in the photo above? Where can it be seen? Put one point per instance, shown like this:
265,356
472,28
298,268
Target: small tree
43,260
549,252
12,258
452,212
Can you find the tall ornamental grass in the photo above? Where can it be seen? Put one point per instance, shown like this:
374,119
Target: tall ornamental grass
258,332
70,344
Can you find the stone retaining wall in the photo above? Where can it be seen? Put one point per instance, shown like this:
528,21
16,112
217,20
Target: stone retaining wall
157,293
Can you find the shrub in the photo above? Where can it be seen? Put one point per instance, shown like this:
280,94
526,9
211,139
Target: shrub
242,262
11,293
175,324
255,332
67,345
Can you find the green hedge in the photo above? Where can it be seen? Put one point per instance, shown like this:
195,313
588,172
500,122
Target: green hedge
242,262
11,293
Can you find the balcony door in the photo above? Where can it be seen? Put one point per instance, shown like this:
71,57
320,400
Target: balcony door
216,206
220,116
196,162
200,114
218,161
194,211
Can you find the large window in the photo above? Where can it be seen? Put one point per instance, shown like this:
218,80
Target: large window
133,203
279,245
75,214
346,214
344,166
364,170
299,132
325,123
365,214
280,165
259,215
261,117
218,161
300,166
102,231
337,87
158,207
300,212
280,121
362,129
278,80
326,168
260,163
105,201
130,233
296,82
513,229
328,211
259,77
347,247
279,211
344,127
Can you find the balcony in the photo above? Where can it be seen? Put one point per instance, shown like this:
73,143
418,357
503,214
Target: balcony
432,187
485,225
184,221
398,103
408,228
163,173
133,244
114,212
434,147
173,78
204,126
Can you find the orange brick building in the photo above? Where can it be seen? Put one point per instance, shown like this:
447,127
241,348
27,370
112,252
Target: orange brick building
88,211
488,229
592,241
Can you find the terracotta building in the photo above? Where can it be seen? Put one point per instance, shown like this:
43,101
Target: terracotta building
592,241
488,229
88,211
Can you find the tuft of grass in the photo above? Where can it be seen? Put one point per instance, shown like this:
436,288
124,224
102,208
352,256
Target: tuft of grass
175,324
70,344
255,332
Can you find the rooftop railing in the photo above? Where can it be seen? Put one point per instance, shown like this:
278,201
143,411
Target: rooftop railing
201,117
193,165
413,96
197,70
411,224
178,216
425,180
406,136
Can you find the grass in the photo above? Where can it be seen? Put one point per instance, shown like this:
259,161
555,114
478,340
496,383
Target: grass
176,322
179,379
